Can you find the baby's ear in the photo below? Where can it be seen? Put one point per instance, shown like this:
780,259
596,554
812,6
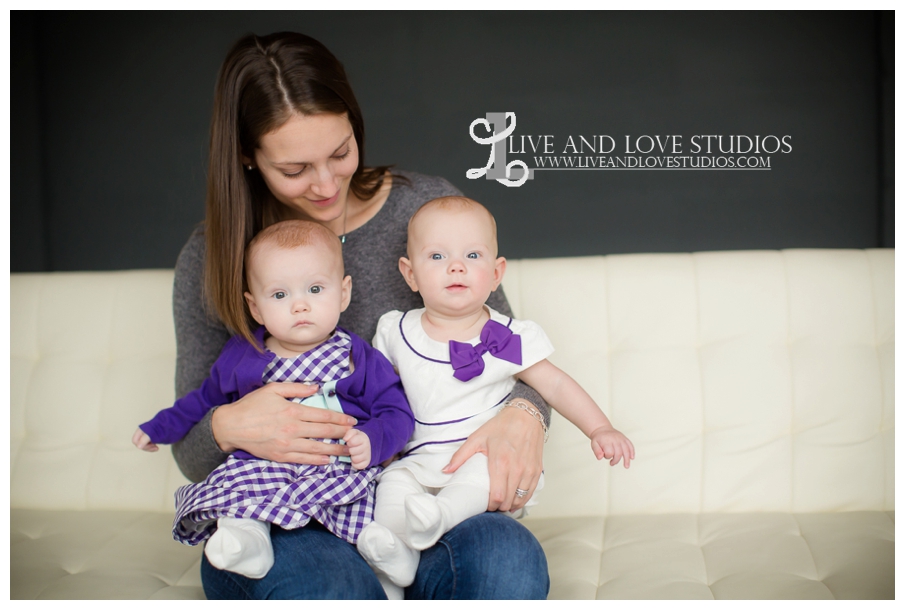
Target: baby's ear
405,268
347,292
253,308
499,270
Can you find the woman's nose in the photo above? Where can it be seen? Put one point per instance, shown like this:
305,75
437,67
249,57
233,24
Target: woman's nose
324,184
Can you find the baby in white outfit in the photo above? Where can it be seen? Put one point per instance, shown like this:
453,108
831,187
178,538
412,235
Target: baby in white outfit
458,360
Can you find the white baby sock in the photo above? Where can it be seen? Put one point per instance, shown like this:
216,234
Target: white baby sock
424,522
241,546
428,517
387,554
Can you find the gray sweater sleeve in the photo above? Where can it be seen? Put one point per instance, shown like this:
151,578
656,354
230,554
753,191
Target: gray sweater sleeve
370,253
199,338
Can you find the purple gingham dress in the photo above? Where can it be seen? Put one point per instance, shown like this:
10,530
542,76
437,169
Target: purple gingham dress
288,495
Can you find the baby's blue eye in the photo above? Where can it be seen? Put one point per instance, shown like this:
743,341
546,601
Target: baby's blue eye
436,257
473,255
315,289
279,295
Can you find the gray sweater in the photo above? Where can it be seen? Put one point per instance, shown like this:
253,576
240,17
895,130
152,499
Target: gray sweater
371,254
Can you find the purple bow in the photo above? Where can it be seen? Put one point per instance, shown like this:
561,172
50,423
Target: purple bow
501,342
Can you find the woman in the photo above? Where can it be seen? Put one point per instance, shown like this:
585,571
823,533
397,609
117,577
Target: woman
287,141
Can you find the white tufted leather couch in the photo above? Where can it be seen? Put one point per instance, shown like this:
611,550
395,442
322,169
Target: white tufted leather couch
757,387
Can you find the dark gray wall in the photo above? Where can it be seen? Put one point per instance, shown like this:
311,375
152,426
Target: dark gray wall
110,111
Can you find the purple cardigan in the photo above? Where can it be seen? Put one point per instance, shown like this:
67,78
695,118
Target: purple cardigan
372,394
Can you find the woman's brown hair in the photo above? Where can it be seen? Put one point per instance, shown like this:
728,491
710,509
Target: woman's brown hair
262,83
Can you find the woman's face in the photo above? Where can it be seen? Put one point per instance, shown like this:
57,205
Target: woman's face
308,164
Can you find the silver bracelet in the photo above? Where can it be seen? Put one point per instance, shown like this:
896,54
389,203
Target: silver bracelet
530,410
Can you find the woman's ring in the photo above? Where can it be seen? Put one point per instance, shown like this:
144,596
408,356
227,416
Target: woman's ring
521,493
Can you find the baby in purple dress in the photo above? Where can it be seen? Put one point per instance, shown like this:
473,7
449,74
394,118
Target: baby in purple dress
296,292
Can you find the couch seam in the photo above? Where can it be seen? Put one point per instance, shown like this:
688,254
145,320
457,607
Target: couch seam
600,582
875,302
185,573
607,505
28,388
697,350
785,272
707,582
811,553
14,460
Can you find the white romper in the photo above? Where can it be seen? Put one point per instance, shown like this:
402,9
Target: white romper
446,409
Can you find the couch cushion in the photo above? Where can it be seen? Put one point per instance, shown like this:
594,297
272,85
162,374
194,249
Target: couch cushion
714,556
99,555
131,555
748,381
92,355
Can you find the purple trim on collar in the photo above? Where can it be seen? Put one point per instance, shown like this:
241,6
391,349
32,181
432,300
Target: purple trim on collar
411,347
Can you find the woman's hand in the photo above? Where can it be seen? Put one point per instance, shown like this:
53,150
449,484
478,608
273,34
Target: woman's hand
513,442
269,426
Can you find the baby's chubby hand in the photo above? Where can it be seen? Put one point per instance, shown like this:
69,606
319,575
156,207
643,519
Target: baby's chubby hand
359,448
143,441
609,443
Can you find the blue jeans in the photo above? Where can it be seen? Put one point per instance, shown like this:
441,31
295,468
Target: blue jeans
490,556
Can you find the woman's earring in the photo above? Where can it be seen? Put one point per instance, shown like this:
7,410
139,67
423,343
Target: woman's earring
250,168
